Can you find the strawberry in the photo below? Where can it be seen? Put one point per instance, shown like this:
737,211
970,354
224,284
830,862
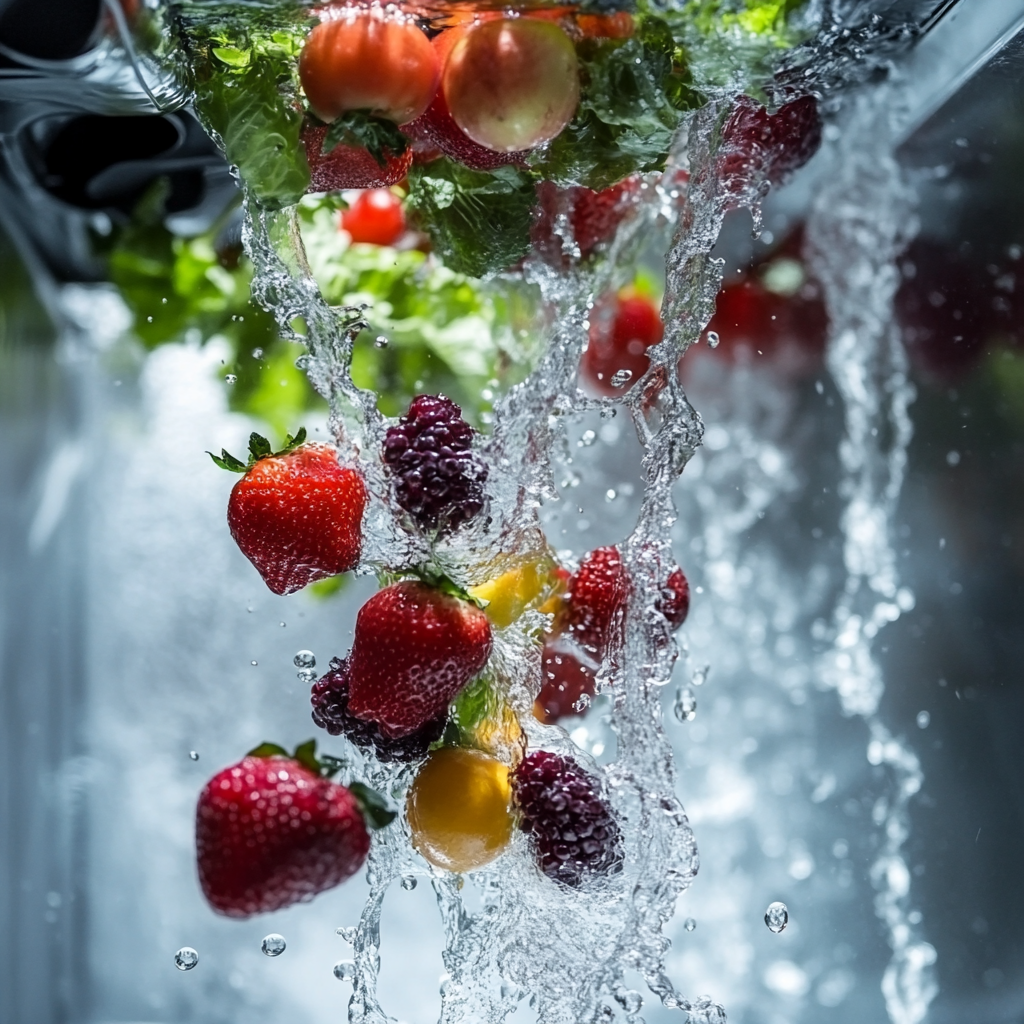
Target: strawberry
593,216
565,678
597,593
296,514
675,598
349,166
416,646
273,830
622,328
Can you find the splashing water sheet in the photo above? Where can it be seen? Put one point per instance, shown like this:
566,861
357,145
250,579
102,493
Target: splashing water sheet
511,935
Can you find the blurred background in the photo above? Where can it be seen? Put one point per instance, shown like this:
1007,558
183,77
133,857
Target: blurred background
133,634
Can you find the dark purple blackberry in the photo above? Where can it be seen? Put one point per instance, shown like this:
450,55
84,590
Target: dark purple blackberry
438,479
576,835
330,712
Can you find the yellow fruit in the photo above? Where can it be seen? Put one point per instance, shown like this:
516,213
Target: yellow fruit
460,809
511,593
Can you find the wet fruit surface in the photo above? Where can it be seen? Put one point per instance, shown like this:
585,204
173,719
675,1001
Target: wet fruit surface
459,809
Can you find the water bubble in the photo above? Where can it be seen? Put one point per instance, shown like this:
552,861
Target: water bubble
186,958
611,494
608,412
686,704
776,917
689,924
273,944
230,378
700,674
304,659
347,932
306,675
629,999
408,882
587,438
621,377
194,755
345,970
380,341
712,339
303,362
924,719
582,703
254,662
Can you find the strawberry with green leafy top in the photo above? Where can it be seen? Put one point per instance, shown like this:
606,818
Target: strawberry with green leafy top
296,514
273,830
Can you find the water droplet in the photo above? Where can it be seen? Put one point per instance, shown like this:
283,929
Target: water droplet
953,458
582,703
186,958
303,363
608,413
629,999
587,438
611,494
689,924
713,339
686,704
380,341
700,674
283,624
254,663
257,353
273,944
304,659
306,675
230,378
194,755
776,917
408,882
620,377
923,719
347,932
443,984
345,970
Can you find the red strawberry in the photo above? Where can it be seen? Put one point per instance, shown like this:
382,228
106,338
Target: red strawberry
675,598
272,831
594,216
415,648
296,514
622,328
349,166
597,591
565,678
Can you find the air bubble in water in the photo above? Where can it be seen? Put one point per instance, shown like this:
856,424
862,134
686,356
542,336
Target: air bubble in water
273,944
776,917
582,703
230,378
686,704
186,958
587,438
345,970
408,882
629,999
347,932
924,719
380,341
689,924
621,377
304,659
713,339
194,755
307,675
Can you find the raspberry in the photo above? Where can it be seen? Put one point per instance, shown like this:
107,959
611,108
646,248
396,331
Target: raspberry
576,835
330,712
438,479
675,598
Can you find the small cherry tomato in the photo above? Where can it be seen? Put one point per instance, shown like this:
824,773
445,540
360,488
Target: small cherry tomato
459,808
366,59
512,84
622,328
375,217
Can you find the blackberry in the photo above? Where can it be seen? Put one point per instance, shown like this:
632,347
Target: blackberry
561,806
330,712
437,477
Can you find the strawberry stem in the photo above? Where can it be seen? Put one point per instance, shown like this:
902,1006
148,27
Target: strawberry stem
259,448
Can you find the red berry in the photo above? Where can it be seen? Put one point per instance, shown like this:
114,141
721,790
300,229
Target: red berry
271,832
675,598
331,712
349,166
297,516
622,329
375,217
594,216
565,678
438,479
415,648
761,146
576,835
597,593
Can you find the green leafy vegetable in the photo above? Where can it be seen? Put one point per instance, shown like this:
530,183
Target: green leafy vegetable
479,222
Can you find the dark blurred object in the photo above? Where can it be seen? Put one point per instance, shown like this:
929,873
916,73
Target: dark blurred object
49,29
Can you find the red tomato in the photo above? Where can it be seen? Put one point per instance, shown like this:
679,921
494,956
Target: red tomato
512,84
622,328
364,59
375,217
606,26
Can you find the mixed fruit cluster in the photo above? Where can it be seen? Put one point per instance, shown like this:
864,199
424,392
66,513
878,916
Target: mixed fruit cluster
417,686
